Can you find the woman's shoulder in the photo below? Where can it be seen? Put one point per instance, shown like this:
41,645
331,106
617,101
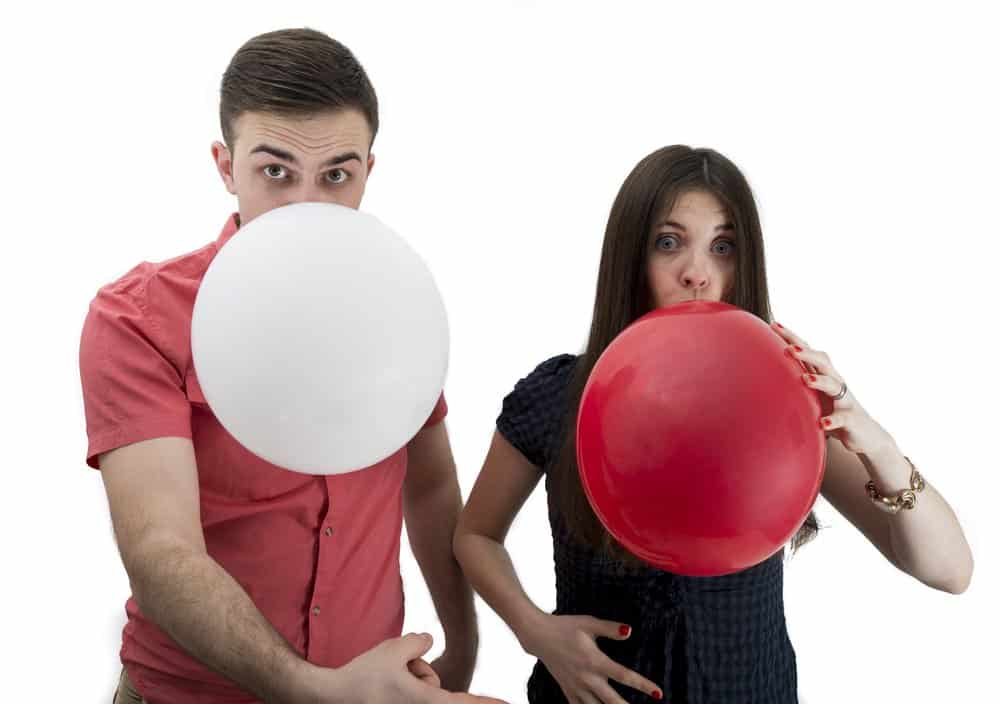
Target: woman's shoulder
532,410
547,380
559,366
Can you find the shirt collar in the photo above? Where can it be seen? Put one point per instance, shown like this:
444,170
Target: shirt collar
228,230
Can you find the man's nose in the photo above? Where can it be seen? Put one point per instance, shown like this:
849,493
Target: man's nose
308,193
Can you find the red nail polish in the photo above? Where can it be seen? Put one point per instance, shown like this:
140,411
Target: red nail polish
827,422
624,630
796,348
812,377
657,694
779,326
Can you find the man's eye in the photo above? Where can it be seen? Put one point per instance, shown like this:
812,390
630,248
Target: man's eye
274,171
336,176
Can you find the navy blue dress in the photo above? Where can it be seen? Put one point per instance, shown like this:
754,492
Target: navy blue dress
704,640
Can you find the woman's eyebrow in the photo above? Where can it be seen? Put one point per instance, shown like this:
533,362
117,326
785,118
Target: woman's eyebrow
671,223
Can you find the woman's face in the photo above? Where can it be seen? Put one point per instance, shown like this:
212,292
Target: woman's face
692,251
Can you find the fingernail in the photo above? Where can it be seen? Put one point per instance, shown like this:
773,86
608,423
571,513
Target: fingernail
624,630
657,694
826,422
796,348
812,377
779,325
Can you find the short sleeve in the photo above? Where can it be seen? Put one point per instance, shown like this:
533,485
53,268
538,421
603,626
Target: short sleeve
131,390
533,411
439,412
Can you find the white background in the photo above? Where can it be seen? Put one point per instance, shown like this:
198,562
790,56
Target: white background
868,134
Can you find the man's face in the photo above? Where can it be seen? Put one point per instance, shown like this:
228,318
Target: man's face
275,161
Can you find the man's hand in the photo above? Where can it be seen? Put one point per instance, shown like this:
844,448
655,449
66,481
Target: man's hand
392,672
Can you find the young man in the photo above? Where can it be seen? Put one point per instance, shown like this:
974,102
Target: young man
250,582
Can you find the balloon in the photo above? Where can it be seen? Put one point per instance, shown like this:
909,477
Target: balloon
698,443
319,338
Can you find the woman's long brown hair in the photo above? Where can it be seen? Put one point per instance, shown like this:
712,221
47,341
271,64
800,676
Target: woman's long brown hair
623,295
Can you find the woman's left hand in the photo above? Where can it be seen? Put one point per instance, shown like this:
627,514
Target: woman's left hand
846,419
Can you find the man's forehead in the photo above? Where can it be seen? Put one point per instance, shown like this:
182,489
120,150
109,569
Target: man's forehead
315,135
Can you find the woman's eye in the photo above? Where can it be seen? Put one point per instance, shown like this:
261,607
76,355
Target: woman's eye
668,242
274,171
724,247
336,176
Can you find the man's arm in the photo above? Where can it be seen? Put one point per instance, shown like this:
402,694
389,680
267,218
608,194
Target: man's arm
152,489
432,502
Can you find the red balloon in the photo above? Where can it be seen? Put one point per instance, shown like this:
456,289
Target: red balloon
698,443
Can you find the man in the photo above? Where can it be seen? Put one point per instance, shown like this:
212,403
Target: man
250,582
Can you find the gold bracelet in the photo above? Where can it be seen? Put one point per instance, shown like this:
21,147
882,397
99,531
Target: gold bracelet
907,498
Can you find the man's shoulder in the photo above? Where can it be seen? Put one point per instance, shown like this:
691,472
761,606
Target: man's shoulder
162,283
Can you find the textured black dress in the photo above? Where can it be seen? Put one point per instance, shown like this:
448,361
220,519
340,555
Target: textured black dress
704,640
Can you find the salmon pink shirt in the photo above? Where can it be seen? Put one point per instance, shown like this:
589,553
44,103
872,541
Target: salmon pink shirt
318,555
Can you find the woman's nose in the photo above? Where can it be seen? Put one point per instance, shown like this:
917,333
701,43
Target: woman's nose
695,275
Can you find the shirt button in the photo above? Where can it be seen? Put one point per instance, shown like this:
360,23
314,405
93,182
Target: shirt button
328,532
315,611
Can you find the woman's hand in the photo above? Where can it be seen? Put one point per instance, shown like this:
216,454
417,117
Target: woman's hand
568,648
845,418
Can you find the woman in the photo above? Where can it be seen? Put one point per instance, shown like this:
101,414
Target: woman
683,226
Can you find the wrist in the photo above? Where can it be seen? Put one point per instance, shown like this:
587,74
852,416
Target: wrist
301,682
887,467
462,643
885,452
527,626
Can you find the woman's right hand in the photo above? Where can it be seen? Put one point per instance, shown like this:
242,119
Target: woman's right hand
567,645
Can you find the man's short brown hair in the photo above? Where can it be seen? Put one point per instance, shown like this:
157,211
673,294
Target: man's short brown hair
294,72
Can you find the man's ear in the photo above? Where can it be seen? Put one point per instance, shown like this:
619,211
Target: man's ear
371,163
224,163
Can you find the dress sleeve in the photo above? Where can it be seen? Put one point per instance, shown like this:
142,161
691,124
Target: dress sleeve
131,389
533,411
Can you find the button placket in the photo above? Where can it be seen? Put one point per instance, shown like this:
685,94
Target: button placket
323,556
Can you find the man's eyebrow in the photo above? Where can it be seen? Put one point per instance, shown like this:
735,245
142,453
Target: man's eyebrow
290,158
275,152
341,158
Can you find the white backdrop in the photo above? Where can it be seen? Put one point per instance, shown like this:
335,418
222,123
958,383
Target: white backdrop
868,134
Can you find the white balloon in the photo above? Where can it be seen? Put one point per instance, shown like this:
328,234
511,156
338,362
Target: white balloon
319,338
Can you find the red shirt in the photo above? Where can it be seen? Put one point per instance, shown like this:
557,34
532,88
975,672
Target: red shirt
319,555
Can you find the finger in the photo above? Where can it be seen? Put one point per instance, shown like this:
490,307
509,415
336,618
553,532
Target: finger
422,669
462,698
429,695
616,630
413,645
819,361
833,421
631,678
787,334
825,384
606,694
808,368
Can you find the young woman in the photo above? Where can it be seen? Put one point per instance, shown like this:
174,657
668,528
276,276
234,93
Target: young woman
683,226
